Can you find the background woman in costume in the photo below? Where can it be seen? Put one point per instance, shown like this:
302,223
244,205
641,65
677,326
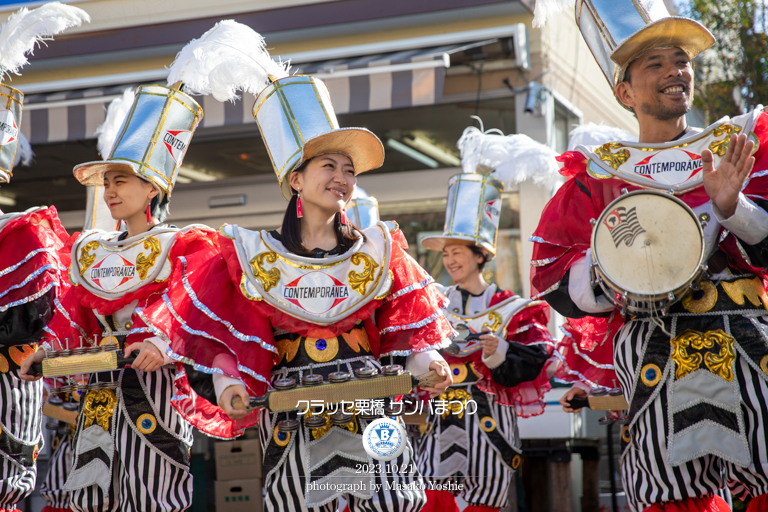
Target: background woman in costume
507,373
316,296
30,269
127,423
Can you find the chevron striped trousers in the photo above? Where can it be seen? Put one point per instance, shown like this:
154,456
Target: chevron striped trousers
150,465
477,451
646,474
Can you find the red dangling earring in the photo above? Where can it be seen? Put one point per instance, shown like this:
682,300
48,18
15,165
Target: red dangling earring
343,216
299,208
149,216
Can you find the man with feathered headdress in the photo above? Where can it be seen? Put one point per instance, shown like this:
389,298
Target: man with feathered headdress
695,374
30,268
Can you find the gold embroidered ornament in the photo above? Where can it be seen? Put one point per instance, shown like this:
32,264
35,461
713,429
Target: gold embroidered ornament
4,366
625,436
703,304
752,289
86,258
457,402
719,363
322,350
764,364
359,281
613,159
719,147
267,278
516,461
459,372
99,407
145,262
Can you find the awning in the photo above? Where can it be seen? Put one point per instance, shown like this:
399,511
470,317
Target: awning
406,78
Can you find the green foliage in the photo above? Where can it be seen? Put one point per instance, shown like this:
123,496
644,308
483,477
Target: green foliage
733,76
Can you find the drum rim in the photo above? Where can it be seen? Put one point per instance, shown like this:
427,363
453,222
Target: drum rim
648,298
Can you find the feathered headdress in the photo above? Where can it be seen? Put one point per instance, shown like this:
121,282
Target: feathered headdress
511,158
592,134
116,113
545,9
26,28
229,57
24,153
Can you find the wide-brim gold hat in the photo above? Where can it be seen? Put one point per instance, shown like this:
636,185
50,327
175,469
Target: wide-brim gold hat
91,174
362,146
438,243
672,32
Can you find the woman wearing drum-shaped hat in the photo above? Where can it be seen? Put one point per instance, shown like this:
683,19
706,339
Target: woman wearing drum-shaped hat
127,421
315,300
30,264
499,359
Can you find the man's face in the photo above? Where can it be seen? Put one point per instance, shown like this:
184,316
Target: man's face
661,84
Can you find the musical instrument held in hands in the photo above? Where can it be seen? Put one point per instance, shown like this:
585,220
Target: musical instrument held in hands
647,251
82,360
366,384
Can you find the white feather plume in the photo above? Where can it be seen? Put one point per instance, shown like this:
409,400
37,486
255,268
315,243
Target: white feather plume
116,113
25,28
24,153
513,158
591,134
544,10
229,57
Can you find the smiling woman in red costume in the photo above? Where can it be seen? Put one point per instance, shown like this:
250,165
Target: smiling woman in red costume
316,296
128,423
504,371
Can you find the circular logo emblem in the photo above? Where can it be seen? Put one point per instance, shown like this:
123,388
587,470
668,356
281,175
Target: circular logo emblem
384,439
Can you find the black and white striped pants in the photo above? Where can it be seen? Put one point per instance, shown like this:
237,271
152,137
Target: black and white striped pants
21,419
52,490
646,474
457,450
144,477
286,476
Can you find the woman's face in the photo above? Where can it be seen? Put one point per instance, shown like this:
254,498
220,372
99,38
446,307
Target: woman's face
461,262
126,194
326,183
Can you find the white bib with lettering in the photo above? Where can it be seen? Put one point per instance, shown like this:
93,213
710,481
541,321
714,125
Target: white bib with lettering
110,268
322,291
675,165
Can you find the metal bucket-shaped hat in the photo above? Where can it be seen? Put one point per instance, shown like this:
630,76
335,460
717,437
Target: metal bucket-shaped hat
363,210
153,139
472,213
619,31
11,103
297,122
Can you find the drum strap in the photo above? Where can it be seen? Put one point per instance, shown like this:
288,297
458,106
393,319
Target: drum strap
717,262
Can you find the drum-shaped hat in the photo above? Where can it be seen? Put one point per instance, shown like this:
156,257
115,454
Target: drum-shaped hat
297,122
11,103
472,213
152,141
363,210
619,31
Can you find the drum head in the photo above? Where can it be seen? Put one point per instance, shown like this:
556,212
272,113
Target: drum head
648,243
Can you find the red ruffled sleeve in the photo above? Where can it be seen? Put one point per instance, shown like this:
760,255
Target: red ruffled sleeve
411,319
586,351
204,316
30,263
527,327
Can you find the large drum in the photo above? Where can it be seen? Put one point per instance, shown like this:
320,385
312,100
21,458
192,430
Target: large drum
647,251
